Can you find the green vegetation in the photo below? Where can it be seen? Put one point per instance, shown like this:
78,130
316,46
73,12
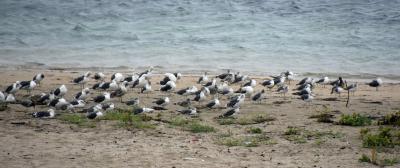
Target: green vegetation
127,120
364,158
78,119
298,135
379,162
391,119
354,120
191,125
386,137
246,141
254,130
255,119
323,115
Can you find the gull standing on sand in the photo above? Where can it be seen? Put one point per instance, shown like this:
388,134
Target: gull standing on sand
12,89
113,85
28,86
230,112
305,81
61,91
352,88
105,97
236,101
78,103
187,91
337,89
248,90
2,97
133,102
258,97
162,101
82,94
121,91
376,83
283,90
99,76
213,103
82,79
323,81
251,83
268,83
10,98
169,86
94,114
203,79
117,77
307,97
38,78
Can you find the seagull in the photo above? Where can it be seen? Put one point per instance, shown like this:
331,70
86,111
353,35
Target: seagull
94,114
224,75
268,83
147,72
82,79
107,106
59,103
113,85
27,103
239,78
2,97
213,103
12,89
82,94
338,82
146,88
121,91
280,80
305,80
38,78
337,89
118,77
352,88
45,98
203,79
61,91
307,97
95,108
44,114
283,89
102,98
169,86
289,76
259,96
236,101
28,85
10,98
185,103
187,91
248,90
251,83
190,111
142,110
133,102
168,77
226,91
78,103
99,76
131,79
324,81
305,90
211,83
230,112
376,83
200,97
162,101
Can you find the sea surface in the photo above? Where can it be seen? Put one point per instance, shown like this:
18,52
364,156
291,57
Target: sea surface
335,37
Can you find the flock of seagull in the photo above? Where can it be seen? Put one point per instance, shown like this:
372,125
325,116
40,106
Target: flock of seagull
211,86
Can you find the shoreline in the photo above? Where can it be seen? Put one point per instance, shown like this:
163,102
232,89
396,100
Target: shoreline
364,77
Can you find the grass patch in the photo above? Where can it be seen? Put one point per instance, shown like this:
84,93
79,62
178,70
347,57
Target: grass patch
376,161
127,120
79,120
323,115
191,125
254,130
385,137
256,119
354,120
391,119
246,141
299,135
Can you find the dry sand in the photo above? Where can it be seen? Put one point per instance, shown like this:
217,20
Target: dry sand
55,143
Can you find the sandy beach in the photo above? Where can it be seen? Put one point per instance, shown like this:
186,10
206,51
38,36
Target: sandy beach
31,142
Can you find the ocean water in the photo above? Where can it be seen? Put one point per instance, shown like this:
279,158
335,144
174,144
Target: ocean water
357,37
